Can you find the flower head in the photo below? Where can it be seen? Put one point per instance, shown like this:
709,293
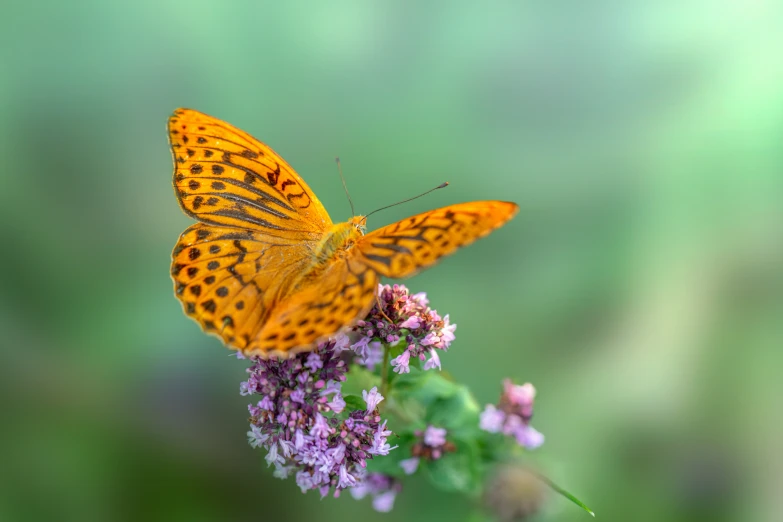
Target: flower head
431,445
382,488
296,420
402,317
434,436
512,415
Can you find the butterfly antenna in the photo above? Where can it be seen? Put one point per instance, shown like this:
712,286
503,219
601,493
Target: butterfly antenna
442,185
345,187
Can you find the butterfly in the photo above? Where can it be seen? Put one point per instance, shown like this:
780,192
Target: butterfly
265,269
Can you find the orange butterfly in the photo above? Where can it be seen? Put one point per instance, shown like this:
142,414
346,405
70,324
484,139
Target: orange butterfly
265,268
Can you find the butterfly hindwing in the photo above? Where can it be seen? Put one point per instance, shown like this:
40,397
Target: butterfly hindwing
403,248
335,298
230,280
224,176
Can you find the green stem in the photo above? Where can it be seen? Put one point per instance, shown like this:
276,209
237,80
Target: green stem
563,492
385,369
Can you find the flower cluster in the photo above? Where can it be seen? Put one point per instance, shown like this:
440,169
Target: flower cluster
432,444
407,318
297,420
382,488
512,415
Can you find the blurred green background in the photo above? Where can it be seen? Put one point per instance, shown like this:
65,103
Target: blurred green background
640,288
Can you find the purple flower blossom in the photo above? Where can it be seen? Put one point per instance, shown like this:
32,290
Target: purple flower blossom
512,415
379,445
337,404
382,488
401,363
529,437
373,356
409,466
341,343
433,362
372,398
384,502
412,322
296,420
432,444
434,436
321,428
314,362
520,396
491,419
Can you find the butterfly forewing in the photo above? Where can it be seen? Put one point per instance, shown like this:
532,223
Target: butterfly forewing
403,248
224,176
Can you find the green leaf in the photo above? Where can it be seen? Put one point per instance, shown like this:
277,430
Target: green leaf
459,412
424,387
354,402
565,493
408,382
457,471
359,379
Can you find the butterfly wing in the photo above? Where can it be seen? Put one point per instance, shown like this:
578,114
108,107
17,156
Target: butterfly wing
259,224
403,248
224,176
230,280
323,303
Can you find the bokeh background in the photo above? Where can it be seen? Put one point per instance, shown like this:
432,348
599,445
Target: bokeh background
640,288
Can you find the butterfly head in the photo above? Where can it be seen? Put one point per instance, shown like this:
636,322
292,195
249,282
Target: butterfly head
360,223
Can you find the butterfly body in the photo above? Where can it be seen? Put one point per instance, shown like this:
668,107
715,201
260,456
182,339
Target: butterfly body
265,269
340,238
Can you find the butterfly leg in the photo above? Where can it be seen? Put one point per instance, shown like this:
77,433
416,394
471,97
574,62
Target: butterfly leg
380,308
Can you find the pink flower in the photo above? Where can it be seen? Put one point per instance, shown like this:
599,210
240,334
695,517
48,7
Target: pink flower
346,479
433,362
434,436
491,419
341,343
420,299
384,502
255,437
382,488
519,395
431,338
273,457
529,437
512,415
402,317
337,404
447,332
360,346
314,362
321,427
411,323
409,466
401,362
380,446
373,356
372,398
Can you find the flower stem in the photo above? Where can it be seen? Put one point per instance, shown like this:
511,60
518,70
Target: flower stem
385,369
